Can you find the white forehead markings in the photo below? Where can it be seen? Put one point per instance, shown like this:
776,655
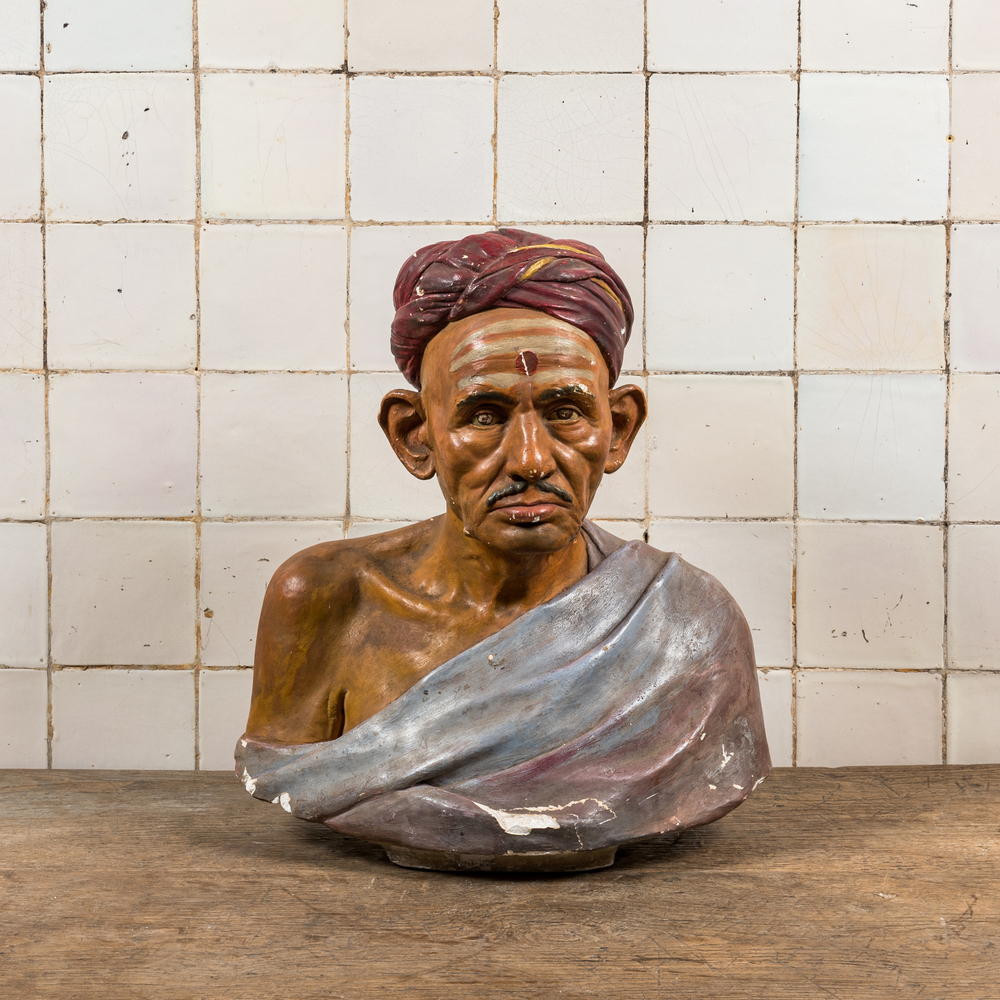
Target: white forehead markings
501,380
515,325
539,343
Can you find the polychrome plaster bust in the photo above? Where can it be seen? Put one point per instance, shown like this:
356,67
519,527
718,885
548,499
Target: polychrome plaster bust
505,686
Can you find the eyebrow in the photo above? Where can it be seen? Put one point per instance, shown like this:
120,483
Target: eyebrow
479,398
564,392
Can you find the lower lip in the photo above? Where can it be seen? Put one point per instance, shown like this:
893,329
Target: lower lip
529,515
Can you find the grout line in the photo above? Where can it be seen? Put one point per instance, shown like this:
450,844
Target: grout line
196,671
795,401
472,223
333,518
342,70
346,522
946,323
49,727
495,140
647,437
659,372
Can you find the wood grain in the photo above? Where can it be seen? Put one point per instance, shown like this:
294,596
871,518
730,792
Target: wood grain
853,883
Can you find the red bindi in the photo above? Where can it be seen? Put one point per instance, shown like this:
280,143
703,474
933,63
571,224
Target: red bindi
526,362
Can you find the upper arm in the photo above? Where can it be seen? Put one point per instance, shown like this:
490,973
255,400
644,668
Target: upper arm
305,605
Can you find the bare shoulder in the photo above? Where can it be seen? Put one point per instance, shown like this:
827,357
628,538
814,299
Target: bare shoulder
308,607
328,574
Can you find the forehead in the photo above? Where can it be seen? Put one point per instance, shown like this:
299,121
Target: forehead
503,346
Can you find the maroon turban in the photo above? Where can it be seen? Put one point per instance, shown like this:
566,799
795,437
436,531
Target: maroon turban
514,269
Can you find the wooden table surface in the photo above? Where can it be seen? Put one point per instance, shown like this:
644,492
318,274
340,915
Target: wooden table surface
853,883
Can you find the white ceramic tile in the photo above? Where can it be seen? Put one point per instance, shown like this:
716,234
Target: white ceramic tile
24,594
871,297
421,148
570,147
237,561
973,707
847,718
21,151
858,34
622,494
273,297
871,446
20,295
973,448
121,296
223,707
114,35
402,35
119,146
975,187
272,146
569,36
23,718
722,148
753,561
720,298
873,147
720,446
629,530
19,35
273,445
22,446
123,592
123,444
776,700
123,719
975,298
380,487
260,34
975,34
724,35
870,595
973,596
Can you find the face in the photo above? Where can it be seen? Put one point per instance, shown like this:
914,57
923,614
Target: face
519,426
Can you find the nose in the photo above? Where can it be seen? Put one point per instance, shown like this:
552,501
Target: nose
529,456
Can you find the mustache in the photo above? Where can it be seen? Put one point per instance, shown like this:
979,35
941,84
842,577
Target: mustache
521,485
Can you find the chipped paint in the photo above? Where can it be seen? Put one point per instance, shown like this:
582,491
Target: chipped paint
520,822
249,783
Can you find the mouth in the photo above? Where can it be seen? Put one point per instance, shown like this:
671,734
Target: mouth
529,510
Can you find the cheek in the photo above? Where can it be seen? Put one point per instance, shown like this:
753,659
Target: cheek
469,454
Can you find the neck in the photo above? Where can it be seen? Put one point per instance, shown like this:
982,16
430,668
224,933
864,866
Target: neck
463,569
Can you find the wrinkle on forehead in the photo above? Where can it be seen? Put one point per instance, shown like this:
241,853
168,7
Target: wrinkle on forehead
539,343
516,325
502,380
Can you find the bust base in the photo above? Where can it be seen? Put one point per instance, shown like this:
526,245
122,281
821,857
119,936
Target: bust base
531,861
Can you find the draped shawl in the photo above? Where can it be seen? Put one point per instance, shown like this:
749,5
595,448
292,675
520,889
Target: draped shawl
625,707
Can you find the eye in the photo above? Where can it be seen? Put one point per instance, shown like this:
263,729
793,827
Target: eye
485,418
564,413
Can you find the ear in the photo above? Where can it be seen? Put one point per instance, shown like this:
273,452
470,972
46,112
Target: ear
628,413
401,416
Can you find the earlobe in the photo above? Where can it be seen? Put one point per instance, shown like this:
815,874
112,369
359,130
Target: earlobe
628,413
404,422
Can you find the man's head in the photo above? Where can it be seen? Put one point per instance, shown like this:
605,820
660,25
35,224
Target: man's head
516,414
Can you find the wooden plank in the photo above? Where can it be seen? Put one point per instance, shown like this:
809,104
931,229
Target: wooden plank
853,883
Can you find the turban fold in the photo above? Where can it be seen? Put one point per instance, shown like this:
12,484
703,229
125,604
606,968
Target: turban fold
508,268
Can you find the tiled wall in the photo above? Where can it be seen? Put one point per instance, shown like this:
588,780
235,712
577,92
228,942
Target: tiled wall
195,274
